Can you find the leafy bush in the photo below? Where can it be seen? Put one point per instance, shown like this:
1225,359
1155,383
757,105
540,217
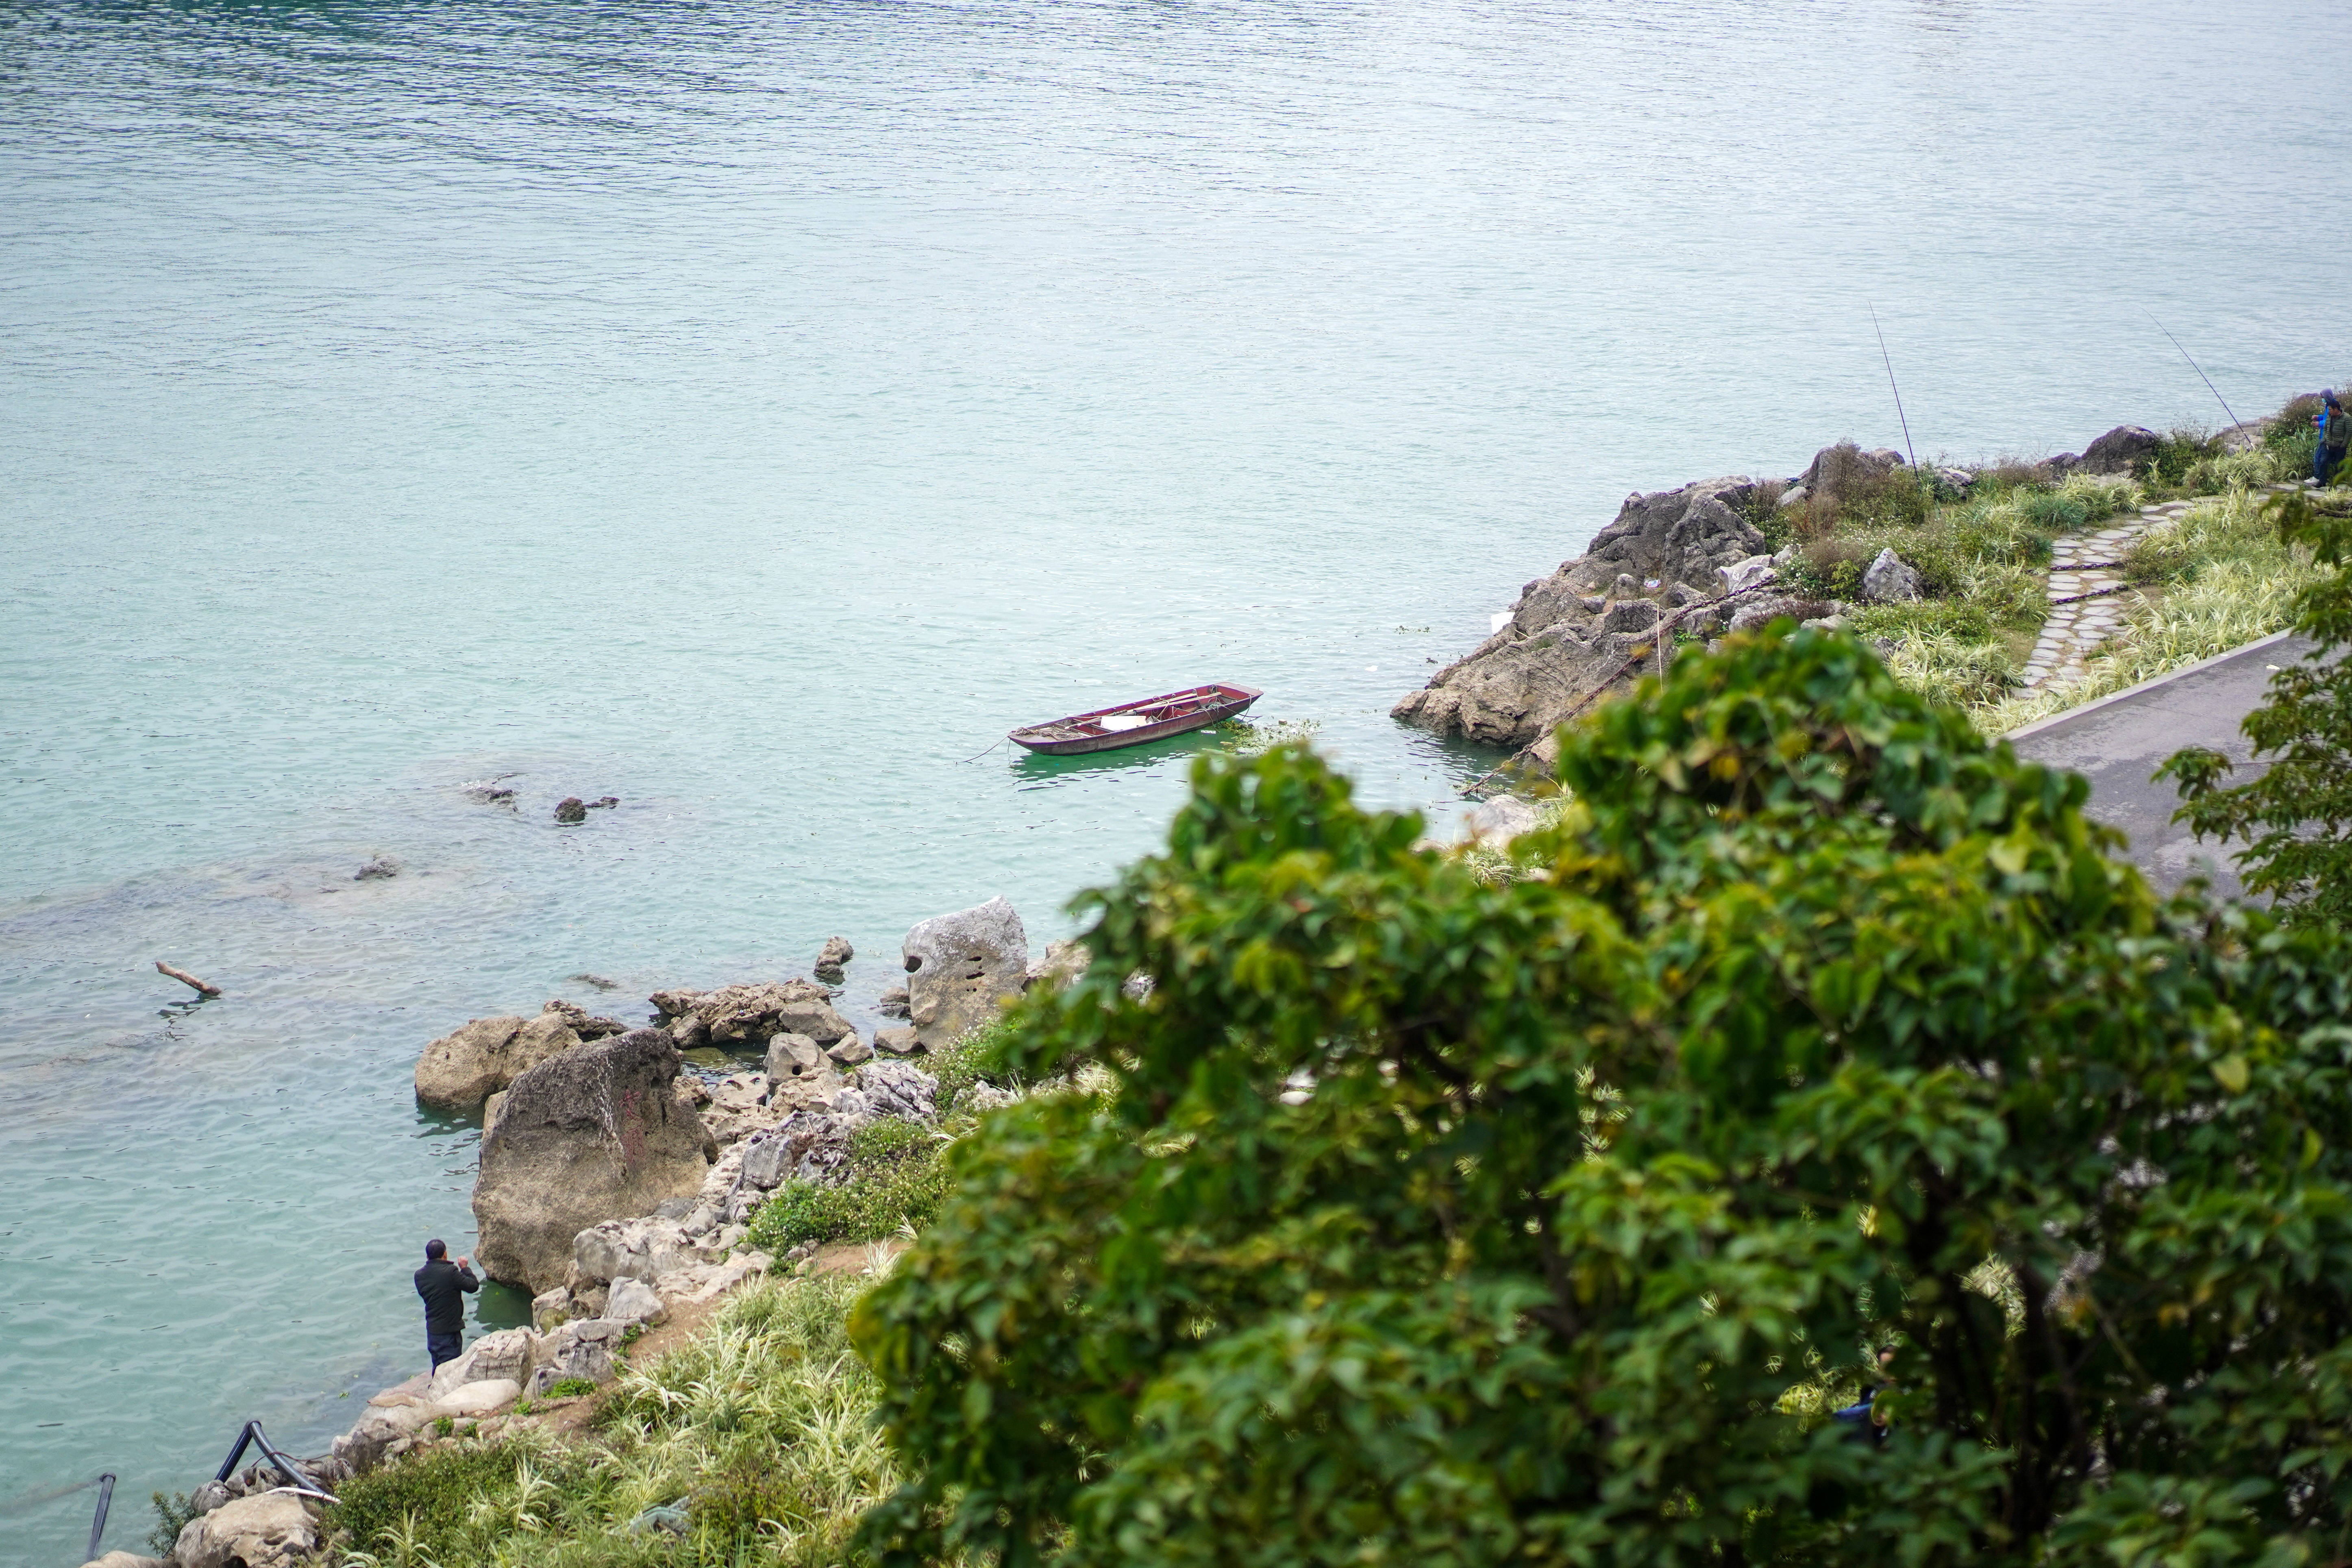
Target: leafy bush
1439,1221
894,1180
424,1500
570,1388
2178,453
172,1516
2296,821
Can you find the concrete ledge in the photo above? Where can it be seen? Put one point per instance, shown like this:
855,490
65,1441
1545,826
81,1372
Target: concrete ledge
2118,741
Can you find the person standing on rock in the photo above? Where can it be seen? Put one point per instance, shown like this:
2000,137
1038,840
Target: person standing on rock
445,1287
2335,435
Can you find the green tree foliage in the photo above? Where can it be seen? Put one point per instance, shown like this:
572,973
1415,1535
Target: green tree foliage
2296,819
1451,1223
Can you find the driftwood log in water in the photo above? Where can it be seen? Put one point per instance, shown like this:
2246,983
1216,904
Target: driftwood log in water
203,987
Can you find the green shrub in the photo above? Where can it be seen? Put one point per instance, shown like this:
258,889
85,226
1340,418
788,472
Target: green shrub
2180,452
570,1388
2295,820
422,1501
172,1516
1829,1028
894,1180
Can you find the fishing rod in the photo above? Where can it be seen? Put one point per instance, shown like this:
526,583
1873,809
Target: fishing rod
2198,368
1896,390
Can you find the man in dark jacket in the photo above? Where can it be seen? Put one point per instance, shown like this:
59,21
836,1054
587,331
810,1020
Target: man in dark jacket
445,1287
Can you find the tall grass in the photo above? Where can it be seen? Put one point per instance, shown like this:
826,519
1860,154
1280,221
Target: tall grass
2223,578
759,1432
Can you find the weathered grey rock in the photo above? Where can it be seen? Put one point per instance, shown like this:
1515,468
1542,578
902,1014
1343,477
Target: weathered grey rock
549,1307
834,958
899,1088
594,1134
1891,580
586,1024
735,1013
1561,645
849,1051
1630,616
810,1146
490,1110
896,1042
571,808
465,1067
1750,572
583,1349
478,1399
1953,484
210,1496
640,1248
1837,472
275,1530
1062,964
960,968
815,1019
1501,819
893,1003
382,869
2126,450
1767,607
794,1056
508,1354
633,1301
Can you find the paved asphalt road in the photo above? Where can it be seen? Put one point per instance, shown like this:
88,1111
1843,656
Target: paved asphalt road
2117,743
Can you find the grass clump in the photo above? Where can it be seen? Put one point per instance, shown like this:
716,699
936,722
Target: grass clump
896,1178
761,1427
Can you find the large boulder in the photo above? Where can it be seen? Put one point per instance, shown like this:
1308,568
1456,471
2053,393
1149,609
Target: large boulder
1837,472
507,1353
595,1134
962,968
583,1349
2126,450
465,1067
1591,625
275,1530
1891,580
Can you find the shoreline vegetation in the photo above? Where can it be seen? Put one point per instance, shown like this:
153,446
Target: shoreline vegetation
1943,569
747,1429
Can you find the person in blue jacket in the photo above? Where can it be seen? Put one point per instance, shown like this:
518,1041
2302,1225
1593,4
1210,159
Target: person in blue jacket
2335,434
1870,1423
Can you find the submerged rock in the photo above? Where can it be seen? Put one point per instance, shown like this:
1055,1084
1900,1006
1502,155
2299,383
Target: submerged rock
962,968
595,1134
380,869
571,808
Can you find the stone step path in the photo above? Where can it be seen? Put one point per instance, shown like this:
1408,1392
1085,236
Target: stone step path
2086,586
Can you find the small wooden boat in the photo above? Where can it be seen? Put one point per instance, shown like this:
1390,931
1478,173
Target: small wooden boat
1133,724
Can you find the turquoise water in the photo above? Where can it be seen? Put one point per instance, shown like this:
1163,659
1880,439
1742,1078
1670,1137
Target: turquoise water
753,411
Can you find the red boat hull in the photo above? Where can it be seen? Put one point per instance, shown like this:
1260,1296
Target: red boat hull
1173,713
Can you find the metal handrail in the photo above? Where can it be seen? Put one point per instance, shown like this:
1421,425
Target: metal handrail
253,1433
98,1522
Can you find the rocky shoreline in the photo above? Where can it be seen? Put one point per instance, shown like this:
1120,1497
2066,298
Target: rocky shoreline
1693,563
618,1179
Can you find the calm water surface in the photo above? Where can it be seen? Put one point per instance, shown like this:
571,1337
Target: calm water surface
752,411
